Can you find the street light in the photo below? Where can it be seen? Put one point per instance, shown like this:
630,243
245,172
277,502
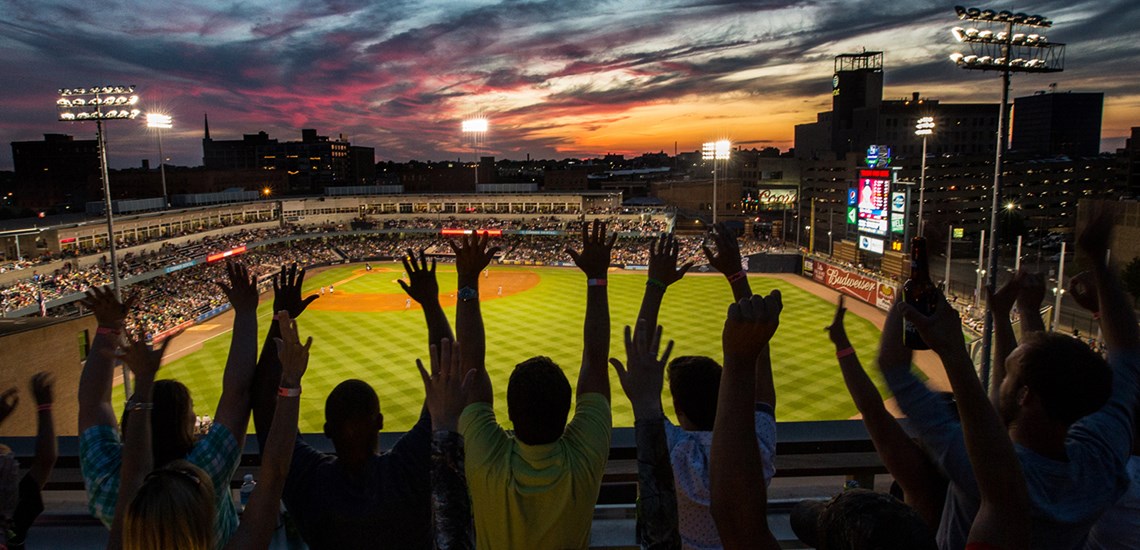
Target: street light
160,123
1006,42
924,128
714,151
477,129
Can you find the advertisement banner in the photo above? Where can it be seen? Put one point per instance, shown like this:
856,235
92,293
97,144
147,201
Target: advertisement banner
847,282
809,266
886,296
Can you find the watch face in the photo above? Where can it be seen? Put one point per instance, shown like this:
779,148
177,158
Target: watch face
468,293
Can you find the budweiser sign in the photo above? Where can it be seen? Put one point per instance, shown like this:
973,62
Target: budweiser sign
849,282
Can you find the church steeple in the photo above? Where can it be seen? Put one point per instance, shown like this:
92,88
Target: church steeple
206,116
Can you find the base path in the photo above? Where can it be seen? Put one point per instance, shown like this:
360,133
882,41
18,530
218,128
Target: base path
510,282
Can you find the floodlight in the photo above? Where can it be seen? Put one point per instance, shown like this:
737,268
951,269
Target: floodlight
956,57
924,126
961,11
475,125
155,120
1004,15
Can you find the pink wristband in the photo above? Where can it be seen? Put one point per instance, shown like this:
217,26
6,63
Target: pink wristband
737,276
595,282
289,392
844,352
44,407
107,331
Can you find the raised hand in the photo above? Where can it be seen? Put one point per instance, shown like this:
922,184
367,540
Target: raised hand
836,331
663,261
750,325
643,376
422,286
447,387
472,255
892,352
242,288
594,259
726,259
109,311
942,330
8,401
143,359
42,385
294,356
1082,287
1032,292
287,291
1002,301
1092,242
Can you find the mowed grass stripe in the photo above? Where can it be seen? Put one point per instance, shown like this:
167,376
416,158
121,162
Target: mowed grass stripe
381,347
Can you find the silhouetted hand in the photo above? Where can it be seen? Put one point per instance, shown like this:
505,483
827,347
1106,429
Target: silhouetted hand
109,312
1092,243
242,288
472,255
644,377
836,331
287,291
942,330
143,359
892,351
294,356
448,387
422,286
594,259
726,259
1032,292
663,260
750,325
42,386
8,401
1083,289
1001,302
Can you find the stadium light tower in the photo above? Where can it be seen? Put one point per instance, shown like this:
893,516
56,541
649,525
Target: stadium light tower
477,129
924,128
160,123
97,104
1008,43
715,151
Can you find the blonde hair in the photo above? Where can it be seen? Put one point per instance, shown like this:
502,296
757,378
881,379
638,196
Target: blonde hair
173,510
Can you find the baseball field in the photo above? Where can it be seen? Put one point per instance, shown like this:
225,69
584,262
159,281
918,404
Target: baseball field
365,329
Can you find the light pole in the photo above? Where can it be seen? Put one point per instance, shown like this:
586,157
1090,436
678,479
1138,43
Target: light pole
714,151
924,128
1005,42
160,123
99,104
477,129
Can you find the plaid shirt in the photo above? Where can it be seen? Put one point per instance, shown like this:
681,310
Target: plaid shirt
100,459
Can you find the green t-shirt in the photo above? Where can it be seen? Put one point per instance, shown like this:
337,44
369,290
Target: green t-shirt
536,496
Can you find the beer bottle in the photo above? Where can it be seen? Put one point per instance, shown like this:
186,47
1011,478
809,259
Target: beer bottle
918,291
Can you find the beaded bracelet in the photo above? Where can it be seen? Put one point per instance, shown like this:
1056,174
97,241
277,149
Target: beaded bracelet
737,276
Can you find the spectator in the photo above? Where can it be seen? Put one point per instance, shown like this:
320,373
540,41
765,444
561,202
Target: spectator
29,504
355,497
100,450
537,488
1073,447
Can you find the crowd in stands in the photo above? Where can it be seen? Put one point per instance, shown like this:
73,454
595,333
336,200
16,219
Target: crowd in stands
1046,458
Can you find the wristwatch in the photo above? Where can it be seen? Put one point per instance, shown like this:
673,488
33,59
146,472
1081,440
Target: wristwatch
467,294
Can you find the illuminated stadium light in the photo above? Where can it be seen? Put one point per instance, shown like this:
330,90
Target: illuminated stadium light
924,126
1003,42
716,151
475,125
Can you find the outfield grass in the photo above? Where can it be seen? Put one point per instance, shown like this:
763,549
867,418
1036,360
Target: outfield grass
381,347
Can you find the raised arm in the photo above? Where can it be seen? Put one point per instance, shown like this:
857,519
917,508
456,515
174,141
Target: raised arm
424,289
594,261
663,271
1117,318
739,501
138,453
923,485
1001,303
43,384
259,519
471,258
99,369
233,407
642,379
263,395
1003,517
727,260
446,388
1029,303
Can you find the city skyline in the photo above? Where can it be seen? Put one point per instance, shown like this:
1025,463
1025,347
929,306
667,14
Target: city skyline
556,79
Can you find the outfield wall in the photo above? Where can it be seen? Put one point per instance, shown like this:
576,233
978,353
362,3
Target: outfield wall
877,291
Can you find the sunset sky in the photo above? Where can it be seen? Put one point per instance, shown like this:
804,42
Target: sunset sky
563,78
